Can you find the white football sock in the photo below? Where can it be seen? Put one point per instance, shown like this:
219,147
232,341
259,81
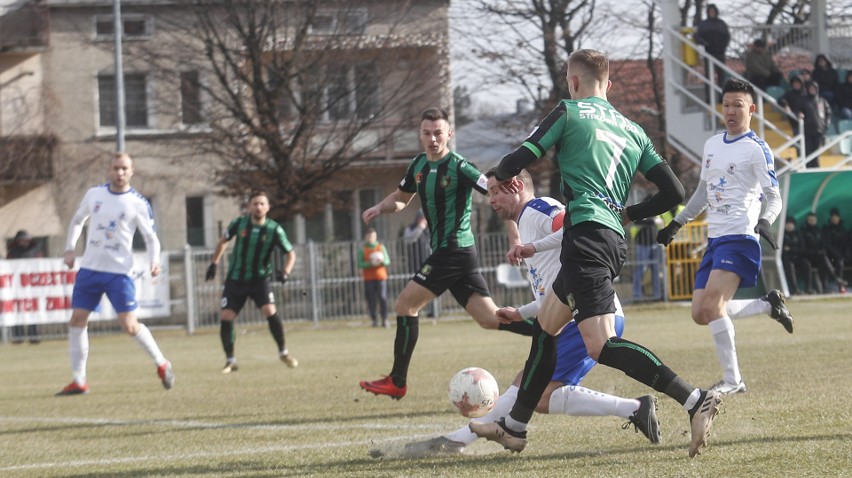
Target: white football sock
147,342
740,309
726,349
578,401
502,408
78,352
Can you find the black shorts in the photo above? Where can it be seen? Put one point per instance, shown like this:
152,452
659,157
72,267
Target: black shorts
453,269
236,292
592,256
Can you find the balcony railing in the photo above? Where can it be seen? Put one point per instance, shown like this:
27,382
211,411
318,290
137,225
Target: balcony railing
27,158
25,28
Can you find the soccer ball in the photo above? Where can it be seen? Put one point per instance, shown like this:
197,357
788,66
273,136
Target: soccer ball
377,258
473,392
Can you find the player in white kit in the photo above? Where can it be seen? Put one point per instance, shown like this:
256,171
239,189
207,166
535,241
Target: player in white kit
737,176
540,224
115,211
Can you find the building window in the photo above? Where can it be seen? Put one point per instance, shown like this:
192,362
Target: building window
135,100
195,221
338,92
352,21
133,27
190,98
366,91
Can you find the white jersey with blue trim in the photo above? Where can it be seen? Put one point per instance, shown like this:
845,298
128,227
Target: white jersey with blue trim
113,220
542,217
736,169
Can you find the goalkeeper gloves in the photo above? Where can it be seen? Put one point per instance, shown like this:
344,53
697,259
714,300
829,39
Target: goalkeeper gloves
211,272
282,277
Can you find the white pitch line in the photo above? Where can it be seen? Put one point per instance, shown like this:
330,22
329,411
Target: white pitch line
162,459
196,424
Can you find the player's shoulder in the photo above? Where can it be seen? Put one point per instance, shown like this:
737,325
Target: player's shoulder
544,205
137,196
273,224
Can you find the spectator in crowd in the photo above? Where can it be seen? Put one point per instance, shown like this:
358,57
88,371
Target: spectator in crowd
843,99
805,75
826,77
713,34
815,246
816,113
792,100
417,239
836,242
760,67
23,247
648,254
795,260
373,261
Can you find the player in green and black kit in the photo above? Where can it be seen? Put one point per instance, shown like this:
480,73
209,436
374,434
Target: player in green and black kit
598,152
249,269
445,182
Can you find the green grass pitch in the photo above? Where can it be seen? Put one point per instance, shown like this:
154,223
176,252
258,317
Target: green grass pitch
270,421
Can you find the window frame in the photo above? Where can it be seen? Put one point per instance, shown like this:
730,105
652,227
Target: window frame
147,20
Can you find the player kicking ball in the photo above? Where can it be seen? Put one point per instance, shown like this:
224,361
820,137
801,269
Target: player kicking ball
540,222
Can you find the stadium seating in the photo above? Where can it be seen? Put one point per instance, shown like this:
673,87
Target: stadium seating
844,125
775,92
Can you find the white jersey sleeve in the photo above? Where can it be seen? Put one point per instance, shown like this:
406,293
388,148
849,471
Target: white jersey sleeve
735,171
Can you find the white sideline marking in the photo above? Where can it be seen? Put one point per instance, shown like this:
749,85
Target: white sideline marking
195,424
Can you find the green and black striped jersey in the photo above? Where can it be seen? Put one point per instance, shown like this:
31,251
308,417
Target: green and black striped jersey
253,248
598,151
446,194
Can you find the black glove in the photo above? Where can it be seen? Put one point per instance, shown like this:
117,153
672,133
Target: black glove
667,234
282,277
763,228
211,272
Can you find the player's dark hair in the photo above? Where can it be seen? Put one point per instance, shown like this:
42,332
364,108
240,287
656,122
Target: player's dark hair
435,114
258,192
734,85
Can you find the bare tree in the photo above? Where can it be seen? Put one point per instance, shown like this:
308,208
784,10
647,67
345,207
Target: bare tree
298,90
527,43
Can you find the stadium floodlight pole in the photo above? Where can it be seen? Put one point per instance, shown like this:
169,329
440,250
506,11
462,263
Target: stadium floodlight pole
119,77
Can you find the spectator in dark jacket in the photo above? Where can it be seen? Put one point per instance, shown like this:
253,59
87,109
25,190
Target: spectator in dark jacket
792,100
826,77
712,32
836,241
816,113
844,97
23,247
794,258
817,254
760,66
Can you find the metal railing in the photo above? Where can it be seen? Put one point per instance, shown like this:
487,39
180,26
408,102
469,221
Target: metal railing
326,285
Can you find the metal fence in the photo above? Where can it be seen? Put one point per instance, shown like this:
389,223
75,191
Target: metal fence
326,285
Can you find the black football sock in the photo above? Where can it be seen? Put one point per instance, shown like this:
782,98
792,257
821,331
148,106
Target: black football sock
538,371
642,365
524,327
276,328
226,333
407,331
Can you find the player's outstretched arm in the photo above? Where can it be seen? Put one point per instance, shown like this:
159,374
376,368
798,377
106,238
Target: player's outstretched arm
393,202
